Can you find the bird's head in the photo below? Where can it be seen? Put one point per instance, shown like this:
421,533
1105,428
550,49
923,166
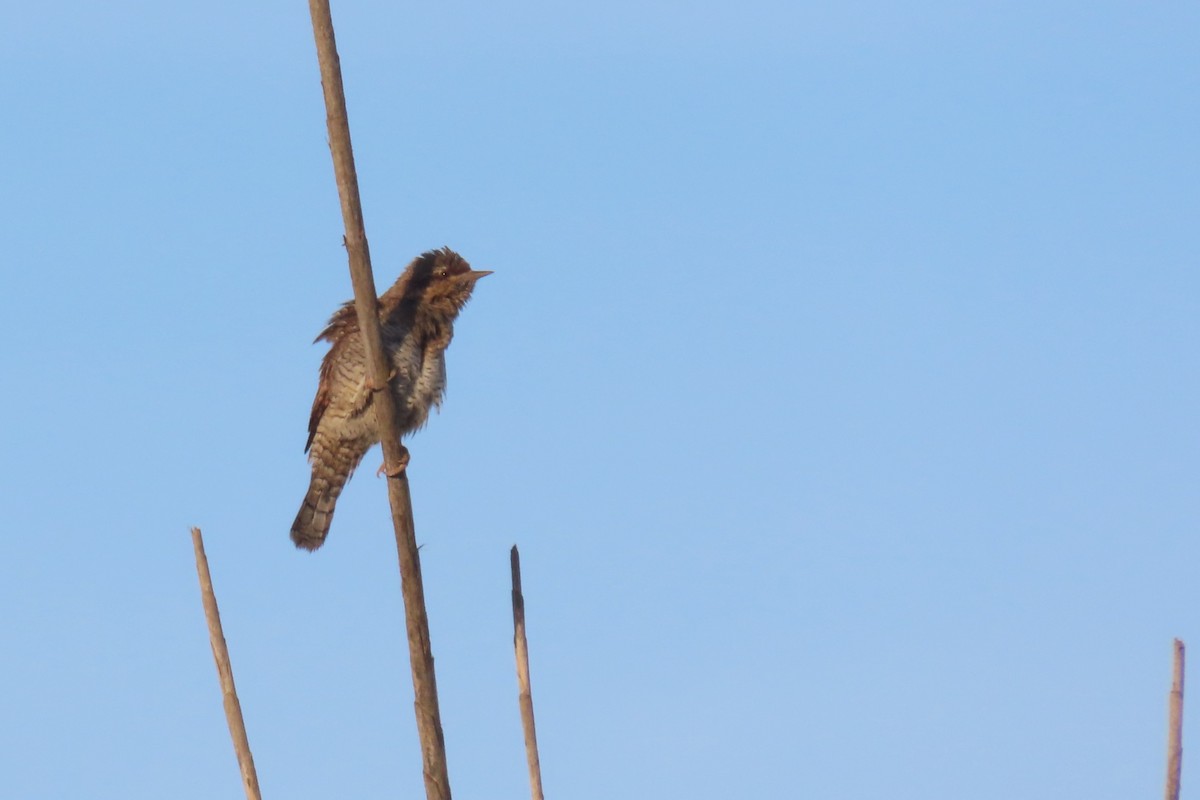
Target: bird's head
443,279
438,282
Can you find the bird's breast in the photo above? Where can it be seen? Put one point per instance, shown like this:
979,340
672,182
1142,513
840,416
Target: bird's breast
419,384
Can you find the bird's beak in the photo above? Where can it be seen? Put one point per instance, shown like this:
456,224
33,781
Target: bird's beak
480,273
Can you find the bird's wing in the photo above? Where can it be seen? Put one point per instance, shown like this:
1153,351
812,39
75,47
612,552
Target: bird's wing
342,321
340,326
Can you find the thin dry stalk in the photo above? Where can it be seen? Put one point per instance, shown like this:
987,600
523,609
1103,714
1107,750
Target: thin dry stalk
233,709
1175,725
526,696
429,724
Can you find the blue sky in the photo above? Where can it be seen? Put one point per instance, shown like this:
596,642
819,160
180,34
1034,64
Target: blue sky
838,381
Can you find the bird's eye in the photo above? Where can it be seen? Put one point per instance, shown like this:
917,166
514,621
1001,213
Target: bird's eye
443,272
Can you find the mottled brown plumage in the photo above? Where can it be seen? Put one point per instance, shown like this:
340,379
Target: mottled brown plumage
416,316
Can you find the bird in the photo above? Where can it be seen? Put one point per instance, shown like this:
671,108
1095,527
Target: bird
416,317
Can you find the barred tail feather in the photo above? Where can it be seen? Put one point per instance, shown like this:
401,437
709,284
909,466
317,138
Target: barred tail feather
316,513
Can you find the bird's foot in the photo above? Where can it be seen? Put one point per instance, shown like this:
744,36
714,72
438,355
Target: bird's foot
370,384
399,470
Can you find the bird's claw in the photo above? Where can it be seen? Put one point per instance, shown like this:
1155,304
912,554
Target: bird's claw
371,387
400,468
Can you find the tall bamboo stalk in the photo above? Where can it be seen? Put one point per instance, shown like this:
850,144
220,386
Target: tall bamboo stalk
216,637
425,700
1175,724
525,697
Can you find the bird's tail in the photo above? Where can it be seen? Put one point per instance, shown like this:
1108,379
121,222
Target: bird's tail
316,512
